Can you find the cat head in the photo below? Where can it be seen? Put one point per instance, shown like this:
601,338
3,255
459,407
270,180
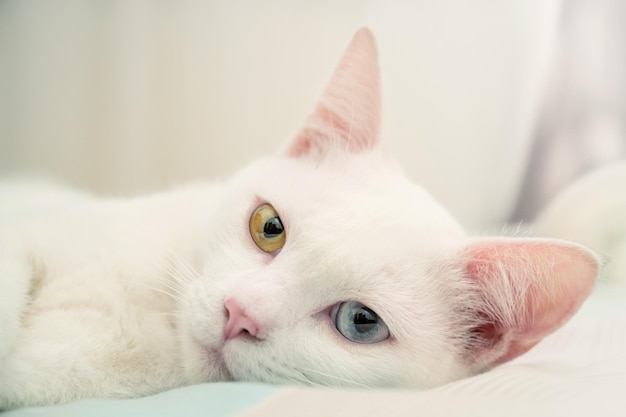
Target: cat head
325,265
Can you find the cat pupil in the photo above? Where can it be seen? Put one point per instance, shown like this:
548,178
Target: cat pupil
365,320
272,228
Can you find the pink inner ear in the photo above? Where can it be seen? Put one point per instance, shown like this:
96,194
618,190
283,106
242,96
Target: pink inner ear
529,288
347,117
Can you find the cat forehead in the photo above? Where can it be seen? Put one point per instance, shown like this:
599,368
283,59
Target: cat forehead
363,199
366,170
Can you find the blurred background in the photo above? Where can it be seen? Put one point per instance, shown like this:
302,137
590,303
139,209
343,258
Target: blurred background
493,106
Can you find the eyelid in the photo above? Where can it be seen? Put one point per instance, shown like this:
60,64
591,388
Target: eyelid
332,311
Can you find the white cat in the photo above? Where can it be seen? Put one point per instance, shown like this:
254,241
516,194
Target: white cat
321,265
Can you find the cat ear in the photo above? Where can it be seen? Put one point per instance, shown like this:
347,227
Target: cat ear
348,114
527,288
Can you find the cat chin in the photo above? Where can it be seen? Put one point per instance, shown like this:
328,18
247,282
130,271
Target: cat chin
215,361
203,363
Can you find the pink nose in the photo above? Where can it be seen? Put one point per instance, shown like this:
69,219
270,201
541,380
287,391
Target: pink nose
237,322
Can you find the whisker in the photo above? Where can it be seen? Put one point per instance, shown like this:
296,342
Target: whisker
180,276
179,268
175,297
349,382
172,312
173,284
302,379
181,262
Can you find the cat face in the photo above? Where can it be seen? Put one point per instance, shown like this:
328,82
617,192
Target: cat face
326,265
357,231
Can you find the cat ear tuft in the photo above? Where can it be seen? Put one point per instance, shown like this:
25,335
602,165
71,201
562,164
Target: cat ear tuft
527,288
347,116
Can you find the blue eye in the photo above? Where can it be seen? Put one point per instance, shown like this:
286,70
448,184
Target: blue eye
360,324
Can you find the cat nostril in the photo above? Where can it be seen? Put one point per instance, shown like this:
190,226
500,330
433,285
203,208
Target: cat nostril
237,322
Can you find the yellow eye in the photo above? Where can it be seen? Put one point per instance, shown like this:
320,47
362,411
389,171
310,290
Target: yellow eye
266,229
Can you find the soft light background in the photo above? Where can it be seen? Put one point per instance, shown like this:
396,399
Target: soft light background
124,97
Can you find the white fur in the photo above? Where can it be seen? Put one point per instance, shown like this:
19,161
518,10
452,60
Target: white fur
126,297
96,321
